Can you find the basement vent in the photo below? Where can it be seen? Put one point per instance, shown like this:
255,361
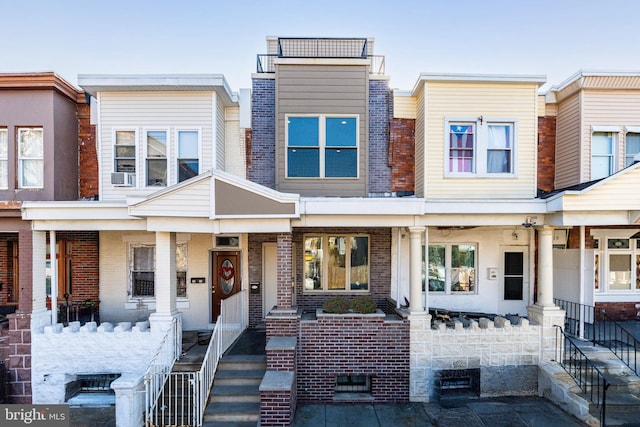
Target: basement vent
458,381
90,384
353,384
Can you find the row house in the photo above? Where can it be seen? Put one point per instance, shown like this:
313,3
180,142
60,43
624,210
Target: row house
594,120
442,204
44,141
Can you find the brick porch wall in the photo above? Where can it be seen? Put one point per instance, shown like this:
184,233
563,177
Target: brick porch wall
6,261
367,345
620,311
85,264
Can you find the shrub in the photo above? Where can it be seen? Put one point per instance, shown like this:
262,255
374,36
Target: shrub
363,304
337,305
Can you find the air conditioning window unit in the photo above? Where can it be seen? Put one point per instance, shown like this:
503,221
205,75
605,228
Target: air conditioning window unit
123,179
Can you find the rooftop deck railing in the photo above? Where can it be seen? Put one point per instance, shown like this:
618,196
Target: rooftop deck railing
346,48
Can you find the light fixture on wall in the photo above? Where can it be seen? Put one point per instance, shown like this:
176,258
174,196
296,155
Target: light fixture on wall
514,235
529,221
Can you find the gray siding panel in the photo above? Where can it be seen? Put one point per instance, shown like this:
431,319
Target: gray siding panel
322,89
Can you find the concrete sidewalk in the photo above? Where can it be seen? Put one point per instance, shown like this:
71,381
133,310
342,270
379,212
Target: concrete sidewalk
455,412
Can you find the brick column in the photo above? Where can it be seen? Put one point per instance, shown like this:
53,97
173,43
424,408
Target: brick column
285,271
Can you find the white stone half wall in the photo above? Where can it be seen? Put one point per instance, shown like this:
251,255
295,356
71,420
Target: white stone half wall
60,353
497,348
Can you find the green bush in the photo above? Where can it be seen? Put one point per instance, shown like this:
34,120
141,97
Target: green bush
337,305
363,304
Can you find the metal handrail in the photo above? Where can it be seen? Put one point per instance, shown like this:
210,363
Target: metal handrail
620,341
588,377
579,319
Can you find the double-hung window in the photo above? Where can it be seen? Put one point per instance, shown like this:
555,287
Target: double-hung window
617,265
4,159
143,266
30,158
125,151
336,263
188,158
602,154
452,267
631,147
156,141
322,146
480,147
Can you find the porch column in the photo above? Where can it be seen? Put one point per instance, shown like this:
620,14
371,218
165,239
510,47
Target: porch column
54,276
544,312
165,282
285,271
545,267
415,269
36,291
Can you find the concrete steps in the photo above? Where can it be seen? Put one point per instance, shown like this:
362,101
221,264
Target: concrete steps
234,399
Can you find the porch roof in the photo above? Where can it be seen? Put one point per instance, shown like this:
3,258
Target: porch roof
609,201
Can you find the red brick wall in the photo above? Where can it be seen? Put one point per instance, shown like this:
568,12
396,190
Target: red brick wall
84,264
88,156
277,408
247,142
6,265
284,270
546,153
353,345
620,311
402,154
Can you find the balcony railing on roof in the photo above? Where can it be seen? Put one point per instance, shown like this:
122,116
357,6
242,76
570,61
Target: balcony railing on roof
350,48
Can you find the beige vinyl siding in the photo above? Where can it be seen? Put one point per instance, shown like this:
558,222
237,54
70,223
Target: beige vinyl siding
322,89
541,106
195,196
610,195
404,107
142,111
419,145
492,101
608,108
568,144
220,135
235,150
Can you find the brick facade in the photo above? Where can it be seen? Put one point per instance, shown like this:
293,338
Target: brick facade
379,104
366,345
7,241
546,153
262,152
85,264
87,154
620,311
402,154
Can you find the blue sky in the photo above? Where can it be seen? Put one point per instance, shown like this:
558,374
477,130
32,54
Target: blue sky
555,38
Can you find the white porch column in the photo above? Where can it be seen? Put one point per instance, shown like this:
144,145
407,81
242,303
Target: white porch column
39,314
544,312
545,267
165,282
54,276
415,269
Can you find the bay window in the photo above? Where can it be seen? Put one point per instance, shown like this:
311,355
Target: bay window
452,267
345,266
322,146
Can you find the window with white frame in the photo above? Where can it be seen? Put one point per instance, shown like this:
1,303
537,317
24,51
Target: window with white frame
30,158
480,147
142,265
451,267
124,159
322,146
4,159
188,162
617,266
602,154
156,141
345,267
631,147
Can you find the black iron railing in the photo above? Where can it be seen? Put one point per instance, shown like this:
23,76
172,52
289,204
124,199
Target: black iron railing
350,48
579,319
621,342
588,377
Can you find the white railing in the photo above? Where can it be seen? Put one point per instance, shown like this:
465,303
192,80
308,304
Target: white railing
160,365
184,395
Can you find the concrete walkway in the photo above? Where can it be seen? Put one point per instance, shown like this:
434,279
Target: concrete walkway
485,412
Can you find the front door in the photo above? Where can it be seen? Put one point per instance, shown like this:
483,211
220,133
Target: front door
225,278
515,280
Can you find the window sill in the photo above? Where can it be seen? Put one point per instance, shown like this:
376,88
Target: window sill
484,176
